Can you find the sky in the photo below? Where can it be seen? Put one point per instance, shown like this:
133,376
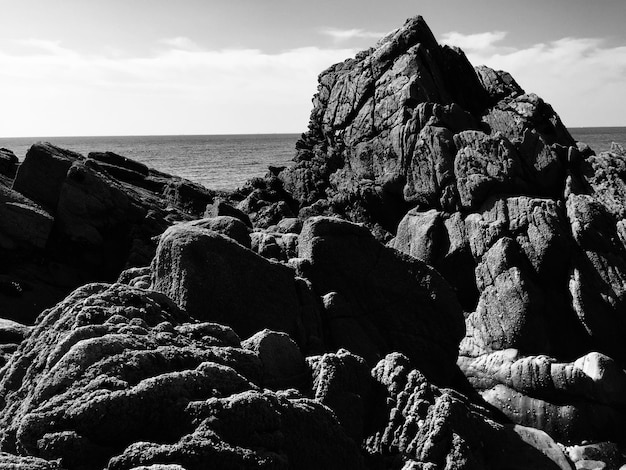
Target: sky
150,67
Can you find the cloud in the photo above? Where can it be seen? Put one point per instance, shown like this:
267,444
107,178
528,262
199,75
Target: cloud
583,78
340,35
180,42
178,89
472,42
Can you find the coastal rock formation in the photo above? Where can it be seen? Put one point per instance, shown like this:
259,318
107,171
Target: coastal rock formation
411,123
122,376
438,282
68,220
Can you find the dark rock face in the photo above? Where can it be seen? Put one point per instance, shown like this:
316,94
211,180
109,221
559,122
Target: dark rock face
392,302
8,163
69,220
440,428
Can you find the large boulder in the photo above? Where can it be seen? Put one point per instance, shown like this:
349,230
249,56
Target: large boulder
430,427
398,302
217,279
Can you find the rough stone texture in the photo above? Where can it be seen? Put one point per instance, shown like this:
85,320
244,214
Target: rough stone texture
576,401
277,246
11,335
15,462
282,361
221,207
409,122
69,220
426,425
23,223
342,382
123,373
229,226
217,279
8,163
398,302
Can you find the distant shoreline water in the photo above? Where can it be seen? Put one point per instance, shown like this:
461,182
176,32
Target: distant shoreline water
215,161
227,161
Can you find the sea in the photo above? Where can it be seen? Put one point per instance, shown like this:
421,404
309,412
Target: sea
226,162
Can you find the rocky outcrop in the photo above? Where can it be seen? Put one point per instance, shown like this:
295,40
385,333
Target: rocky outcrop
438,282
217,279
8,164
410,122
122,376
429,427
68,220
385,301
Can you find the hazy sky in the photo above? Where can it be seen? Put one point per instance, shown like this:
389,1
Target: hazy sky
120,67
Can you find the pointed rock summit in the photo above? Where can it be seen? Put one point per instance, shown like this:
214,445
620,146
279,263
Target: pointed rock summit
412,123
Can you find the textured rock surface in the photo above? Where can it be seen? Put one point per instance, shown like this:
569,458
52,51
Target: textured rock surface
503,278
410,122
216,279
398,303
69,220
441,428
123,373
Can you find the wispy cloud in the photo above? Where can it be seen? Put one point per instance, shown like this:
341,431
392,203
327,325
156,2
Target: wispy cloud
180,42
339,35
179,88
472,42
583,78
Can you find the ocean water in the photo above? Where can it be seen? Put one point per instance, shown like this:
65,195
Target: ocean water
599,138
228,161
215,161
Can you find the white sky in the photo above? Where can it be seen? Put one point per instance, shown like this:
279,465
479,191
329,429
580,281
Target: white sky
145,67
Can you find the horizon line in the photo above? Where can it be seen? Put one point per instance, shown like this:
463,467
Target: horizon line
219,135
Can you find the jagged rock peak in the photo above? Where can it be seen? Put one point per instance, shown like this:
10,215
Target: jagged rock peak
411,123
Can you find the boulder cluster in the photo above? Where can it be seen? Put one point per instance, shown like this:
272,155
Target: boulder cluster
438,282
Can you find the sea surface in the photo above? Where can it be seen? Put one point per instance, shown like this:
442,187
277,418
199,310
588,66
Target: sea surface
228,161
215,161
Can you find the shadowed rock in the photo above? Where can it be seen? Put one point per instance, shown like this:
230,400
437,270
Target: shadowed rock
398,302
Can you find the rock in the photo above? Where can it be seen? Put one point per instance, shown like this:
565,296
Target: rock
484,165
136,277
411,123
217,279
43,172
253,430
15,462
398,302
604,454
498,84
23,222
572,401
191,197
70,220
277,246
229,226
341,381
119,162
288,225
283,363
431,426
9,163
122,375
12,332
220,207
